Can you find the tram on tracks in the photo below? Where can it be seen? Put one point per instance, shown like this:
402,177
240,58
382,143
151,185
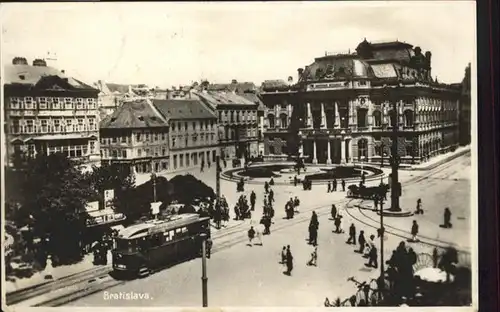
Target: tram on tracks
142,248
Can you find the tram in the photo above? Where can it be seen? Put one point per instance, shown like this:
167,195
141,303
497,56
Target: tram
149,246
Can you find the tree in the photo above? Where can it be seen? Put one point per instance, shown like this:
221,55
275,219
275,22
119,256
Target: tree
55,193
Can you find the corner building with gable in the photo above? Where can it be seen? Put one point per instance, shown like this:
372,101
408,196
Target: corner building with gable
341,110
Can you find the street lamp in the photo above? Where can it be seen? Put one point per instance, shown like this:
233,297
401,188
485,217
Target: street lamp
382,230
204,279
394,159
153,178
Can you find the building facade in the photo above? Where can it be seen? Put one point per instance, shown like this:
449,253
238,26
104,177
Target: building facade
193,132
236,106
47,111
465,130
342,108
135,136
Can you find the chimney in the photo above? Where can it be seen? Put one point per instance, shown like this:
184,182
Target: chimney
234,81
129,89
63,71
169,94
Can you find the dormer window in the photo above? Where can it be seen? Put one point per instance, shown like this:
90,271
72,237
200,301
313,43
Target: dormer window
140,118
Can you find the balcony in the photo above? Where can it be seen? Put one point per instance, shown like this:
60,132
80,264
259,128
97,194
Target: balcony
276,130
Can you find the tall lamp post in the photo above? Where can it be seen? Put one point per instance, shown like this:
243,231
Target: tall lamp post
381,284
204,278
394,159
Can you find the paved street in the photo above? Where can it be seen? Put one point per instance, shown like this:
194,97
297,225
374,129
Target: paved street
241,275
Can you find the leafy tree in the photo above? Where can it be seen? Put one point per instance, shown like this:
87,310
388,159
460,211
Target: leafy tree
55,193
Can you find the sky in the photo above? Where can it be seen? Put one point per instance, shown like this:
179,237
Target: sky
167,44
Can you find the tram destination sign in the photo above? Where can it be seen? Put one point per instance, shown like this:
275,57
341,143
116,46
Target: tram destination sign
327,86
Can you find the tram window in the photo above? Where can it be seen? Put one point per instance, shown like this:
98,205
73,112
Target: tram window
156,240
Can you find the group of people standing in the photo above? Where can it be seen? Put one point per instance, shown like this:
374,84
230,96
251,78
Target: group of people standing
291,207
332,185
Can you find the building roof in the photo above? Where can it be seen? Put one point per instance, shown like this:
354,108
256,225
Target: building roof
31,75
183,109
331,67
226,98
134,114
239,87
384,71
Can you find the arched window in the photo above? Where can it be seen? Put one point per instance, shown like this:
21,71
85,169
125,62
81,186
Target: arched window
408,114
362,112
270,119
378,150
284,121
362,149
377,119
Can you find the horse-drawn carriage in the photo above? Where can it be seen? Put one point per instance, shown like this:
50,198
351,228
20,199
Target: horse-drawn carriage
363,192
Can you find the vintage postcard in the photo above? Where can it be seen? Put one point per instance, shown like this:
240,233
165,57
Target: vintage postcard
281,155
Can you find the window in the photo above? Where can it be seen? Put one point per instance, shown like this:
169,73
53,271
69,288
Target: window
392,118
173,142
271,149
15,127
362,113
378,150
409,150
238,116
15,103
92,147
147,137
146,151
194,125
79,103
377,119
232,116
181,160
113,140
270,120
57,103
164,165
124,153
157,151
92,124
156,137
91,103
173,126
44,125
220,116
68,103
114,153
186,142
284,121
123,139
163,136
185,126
362,149
408,114
80,125
362,83
139,152
138,137
175,161
164,152
69,125
28,103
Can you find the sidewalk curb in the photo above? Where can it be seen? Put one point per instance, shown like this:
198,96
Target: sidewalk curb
442,161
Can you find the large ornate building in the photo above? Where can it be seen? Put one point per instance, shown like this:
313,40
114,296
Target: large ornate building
47,111
342,107
236,106
465,108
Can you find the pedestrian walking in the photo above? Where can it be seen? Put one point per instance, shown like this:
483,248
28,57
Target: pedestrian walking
334,184
253,197
289,261
334,212
251,235
373,257
329,189
363,177
313,229
419,209
314,257
296,204
447,218
414,231
352,235
266,187
343,185
295,181
202,165
338,222
371,244
361,241
283,255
